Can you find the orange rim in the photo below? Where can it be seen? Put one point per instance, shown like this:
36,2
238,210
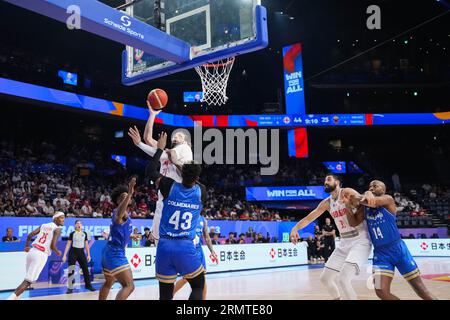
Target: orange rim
212,65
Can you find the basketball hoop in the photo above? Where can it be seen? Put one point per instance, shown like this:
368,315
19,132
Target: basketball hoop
214,78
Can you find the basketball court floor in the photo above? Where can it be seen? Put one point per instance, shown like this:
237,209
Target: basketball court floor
292,283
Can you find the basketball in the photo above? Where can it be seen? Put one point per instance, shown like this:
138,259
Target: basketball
157,99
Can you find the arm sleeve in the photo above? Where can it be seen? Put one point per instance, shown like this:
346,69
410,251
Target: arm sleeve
165,184
71,236
152,173
203,194
152,169
151,151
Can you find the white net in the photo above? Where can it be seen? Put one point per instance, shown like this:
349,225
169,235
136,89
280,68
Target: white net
214,78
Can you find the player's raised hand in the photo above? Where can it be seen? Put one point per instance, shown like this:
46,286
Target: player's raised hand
131,185
134,134
152,111
294,236
162,141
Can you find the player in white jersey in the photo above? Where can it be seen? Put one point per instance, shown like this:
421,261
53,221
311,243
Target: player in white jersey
171,159
354,247
41,249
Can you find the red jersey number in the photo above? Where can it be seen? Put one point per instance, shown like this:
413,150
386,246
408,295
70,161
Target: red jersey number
43,239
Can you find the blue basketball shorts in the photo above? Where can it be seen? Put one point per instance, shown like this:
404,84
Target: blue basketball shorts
395,255
114,260
177,256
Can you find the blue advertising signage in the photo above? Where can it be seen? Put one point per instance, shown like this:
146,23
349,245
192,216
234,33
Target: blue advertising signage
190,97
285,193
293,79
336,166
22,226
120,159
68,77
87,103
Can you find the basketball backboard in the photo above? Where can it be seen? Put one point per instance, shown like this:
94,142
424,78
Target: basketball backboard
215,29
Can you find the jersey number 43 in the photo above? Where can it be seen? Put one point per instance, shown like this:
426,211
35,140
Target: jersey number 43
182,221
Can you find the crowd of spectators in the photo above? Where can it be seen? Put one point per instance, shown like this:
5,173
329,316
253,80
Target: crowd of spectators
41,178
37,180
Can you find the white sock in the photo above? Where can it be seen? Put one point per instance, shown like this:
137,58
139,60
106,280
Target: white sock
348,272
328,280
13,297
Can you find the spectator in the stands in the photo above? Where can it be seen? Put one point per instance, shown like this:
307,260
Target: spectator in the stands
63,203
231,239
41,201
31,209
105,197
136,238
9,211
259,239
212,232
242,238
215,240
48,209
9,236
86,209
250,233
142,208
147,238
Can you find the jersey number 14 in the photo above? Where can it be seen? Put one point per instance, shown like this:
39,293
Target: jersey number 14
377,233
184,221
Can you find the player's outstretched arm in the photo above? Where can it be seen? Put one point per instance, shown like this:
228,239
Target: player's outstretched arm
323,206
56,234
122,213
148,132
353,201
162,183
69,243
32,234
385,201
208,241
134,134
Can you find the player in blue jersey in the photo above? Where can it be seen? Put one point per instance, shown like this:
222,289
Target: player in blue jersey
183,203
390,251
114,262
204,238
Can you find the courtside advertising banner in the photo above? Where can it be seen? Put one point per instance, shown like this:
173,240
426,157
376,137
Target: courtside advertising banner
100,227
255,256
428,247
230,257
12,269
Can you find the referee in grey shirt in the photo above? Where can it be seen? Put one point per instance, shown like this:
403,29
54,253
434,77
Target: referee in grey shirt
78,241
